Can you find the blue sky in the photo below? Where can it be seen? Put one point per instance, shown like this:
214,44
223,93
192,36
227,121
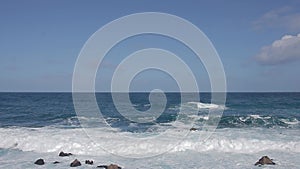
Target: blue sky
257,41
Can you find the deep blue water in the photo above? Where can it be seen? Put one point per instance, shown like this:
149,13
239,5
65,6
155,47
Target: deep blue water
40,125
268,110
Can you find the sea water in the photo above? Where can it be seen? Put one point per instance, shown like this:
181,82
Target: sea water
40,125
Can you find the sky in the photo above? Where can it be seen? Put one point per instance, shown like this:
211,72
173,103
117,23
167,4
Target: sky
258,42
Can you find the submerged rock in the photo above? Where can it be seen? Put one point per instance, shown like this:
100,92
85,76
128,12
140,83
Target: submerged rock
63,154
39,162
264,160
56,162
112,166
89,162
75,163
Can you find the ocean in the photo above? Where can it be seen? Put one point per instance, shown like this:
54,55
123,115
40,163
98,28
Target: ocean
40,125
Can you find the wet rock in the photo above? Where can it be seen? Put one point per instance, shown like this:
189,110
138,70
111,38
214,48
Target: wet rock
75,163
112,166
56,162
193,129
90,162
39,162
264,160
63,154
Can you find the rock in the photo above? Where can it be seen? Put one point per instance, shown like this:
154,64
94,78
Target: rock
112,166
39,162
264,160
62,154
193,129
89,162
75,163
56,162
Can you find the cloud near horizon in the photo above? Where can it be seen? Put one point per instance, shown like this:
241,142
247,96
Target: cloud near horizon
284,17
287,49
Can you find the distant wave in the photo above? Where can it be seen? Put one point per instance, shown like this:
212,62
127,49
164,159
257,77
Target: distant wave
226,121
201,105
258,121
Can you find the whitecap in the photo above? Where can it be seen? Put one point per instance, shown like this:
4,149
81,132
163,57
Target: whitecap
201,105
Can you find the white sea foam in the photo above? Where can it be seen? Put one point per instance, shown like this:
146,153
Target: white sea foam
198,117
255,116
233,148
293,121
201,105
77,142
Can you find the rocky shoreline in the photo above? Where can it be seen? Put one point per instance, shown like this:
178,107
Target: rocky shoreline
264,160
76,162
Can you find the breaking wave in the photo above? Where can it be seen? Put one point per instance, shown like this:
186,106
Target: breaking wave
76,141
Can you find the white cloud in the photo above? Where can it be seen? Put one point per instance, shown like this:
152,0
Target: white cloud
286,49
284,17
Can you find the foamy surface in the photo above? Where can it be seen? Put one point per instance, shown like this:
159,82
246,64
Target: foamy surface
226,148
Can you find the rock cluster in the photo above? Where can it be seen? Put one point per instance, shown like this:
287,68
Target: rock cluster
77,163
90,162
265,160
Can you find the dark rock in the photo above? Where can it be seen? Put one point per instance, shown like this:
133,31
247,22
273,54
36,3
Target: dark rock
39,162
113,166
75,163
62,154
56,162
193,129
264,160
89,162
